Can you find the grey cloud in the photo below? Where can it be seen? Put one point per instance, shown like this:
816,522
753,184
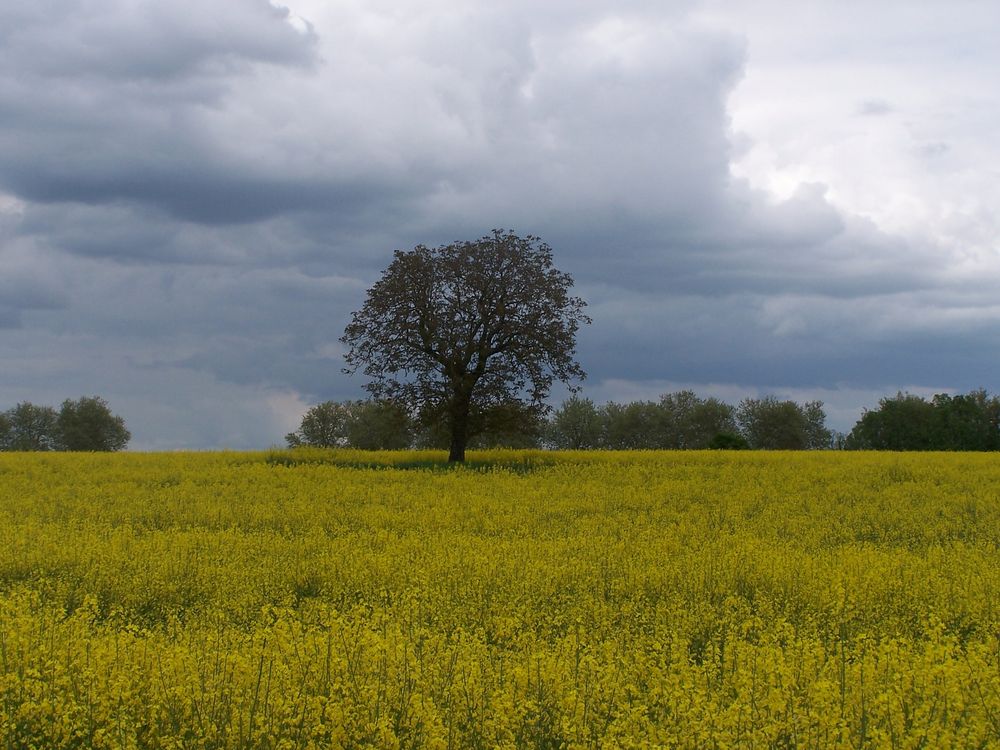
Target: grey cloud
110,104
204,209
165,407
769,342
205,194
126,234
875,107
146,40
25,285
933,150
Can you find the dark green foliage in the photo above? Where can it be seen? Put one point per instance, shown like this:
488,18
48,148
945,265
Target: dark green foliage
323,426
906,422
510,425
87,424
27,427
576,425
770,424
901,423
685,421
369,425
379,425
693,422
513,424
630,426
968,422
682,420
728,441
678,421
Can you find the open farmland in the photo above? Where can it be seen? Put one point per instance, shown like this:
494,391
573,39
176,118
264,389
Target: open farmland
315,599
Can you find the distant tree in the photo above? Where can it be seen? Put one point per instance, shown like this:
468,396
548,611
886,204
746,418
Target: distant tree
513,424
27,427
510,425
323,426
5,431
459,329
903,422
368,425
818,436
575,425
632,426
969,422
767,423
691,422
728,441
906,422
433,436
378,425
87,424
679,420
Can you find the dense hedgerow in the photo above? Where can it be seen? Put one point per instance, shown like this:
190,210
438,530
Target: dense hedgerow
348,599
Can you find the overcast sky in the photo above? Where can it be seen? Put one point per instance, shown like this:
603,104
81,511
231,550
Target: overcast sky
798,199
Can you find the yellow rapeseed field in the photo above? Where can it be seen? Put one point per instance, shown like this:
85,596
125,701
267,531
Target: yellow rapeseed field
347,600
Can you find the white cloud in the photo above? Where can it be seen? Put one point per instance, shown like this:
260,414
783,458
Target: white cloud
921,169
9,204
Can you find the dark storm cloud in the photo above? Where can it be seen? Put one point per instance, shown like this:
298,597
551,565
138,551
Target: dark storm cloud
109,103
25,286
145,42
198,194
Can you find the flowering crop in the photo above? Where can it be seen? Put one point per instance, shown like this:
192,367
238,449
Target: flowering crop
343,599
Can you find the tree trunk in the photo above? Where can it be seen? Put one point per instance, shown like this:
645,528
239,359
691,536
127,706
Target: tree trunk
459,429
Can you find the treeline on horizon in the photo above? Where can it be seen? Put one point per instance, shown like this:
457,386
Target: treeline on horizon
677,421
84,424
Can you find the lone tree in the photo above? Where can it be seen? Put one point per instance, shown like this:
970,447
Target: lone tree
468,329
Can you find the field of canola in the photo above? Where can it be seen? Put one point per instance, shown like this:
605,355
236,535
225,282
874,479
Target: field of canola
283,600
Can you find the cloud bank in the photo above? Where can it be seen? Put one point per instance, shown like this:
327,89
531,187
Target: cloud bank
194,196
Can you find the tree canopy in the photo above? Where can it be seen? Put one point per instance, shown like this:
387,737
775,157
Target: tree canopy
684,420
680,420
28,427
966,422
87,424
84,424
773,424
368,425
468,330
